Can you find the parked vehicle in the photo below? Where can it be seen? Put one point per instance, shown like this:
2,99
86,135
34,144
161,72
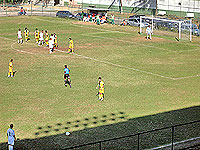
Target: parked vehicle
64,14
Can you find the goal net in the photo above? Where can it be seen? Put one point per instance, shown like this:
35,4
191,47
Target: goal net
180,30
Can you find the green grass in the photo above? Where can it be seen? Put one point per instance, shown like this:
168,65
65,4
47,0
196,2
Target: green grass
36,96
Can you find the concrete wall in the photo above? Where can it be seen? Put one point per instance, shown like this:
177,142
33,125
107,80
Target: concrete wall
186,5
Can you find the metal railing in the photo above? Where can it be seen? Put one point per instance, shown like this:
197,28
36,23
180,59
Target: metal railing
138,137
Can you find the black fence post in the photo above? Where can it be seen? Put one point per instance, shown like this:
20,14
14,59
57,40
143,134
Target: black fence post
99,145
138,142
172,138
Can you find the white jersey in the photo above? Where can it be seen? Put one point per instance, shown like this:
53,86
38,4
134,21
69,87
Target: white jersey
51,43
148,30
11,134
41,36
52,37
19,34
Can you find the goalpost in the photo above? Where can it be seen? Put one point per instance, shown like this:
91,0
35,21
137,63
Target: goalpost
181,30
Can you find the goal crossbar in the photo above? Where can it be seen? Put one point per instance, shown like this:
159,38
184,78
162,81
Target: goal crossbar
166,20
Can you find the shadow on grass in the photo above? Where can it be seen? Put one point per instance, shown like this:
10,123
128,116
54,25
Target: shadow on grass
118,126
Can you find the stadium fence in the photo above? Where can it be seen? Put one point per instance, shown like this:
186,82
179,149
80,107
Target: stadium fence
172,145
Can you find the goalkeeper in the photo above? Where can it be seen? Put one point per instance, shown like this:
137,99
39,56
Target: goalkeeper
66,76
149,32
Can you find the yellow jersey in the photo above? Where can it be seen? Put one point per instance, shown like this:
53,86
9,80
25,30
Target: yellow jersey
101,87
10,66
26,33
36,34
46,36
71,44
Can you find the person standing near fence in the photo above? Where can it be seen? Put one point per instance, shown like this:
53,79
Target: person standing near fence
11,137
112,19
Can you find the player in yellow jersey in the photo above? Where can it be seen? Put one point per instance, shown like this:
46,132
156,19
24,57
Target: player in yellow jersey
100,86
37,35
46,38
26,34
10,68
71,46
55,41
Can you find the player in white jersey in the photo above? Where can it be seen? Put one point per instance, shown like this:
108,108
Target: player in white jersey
11,137
149,32
52,37
19,36
51,45
41,39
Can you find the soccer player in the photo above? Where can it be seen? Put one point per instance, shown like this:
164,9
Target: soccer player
55,41
51,45
46,38
100,86
11,137
41,39
37,35
26,34
71,46
66,76
19,35
10,69
149,32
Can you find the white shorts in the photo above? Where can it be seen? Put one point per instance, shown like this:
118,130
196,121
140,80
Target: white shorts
11,141
19,37
148,33
41,39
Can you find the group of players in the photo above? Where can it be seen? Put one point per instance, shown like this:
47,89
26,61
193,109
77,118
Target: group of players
44,38
52,42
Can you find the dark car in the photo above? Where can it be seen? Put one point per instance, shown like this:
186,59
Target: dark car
64,14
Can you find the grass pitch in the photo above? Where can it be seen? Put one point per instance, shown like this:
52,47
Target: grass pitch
141,77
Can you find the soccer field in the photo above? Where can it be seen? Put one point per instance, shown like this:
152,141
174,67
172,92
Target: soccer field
142,78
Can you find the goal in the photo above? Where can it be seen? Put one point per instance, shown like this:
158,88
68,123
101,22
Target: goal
178,29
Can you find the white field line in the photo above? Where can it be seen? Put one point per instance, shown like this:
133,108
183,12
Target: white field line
117,65
175,143
197,49
105,62
180,78
21,51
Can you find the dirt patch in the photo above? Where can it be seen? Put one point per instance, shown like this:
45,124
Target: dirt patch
143,39
87,23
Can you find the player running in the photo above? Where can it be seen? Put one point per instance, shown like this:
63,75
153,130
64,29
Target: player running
10,69
149,32
66,76
46,38
19,35
71,46
37,35
100,86
41,39
26,34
